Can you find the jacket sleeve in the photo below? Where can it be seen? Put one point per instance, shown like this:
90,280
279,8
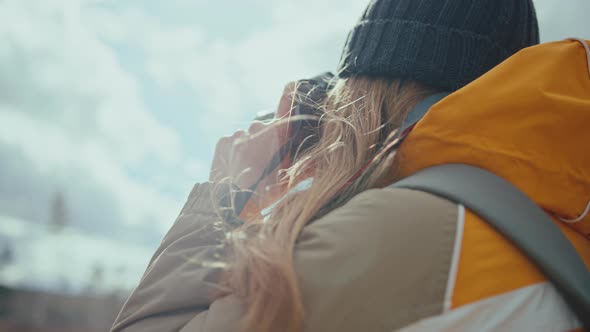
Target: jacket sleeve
378,263
181,276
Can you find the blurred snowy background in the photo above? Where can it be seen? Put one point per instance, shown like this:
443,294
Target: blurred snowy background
110,110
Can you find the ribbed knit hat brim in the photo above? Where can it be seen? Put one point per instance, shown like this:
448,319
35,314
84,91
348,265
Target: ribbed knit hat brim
410,44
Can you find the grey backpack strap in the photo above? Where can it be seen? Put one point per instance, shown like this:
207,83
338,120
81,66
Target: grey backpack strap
519,219
418,112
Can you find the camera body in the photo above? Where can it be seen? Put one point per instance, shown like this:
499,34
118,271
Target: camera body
306,114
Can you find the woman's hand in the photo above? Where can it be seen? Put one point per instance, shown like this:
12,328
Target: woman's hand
243,156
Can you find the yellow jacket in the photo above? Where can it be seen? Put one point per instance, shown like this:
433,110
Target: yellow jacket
527,120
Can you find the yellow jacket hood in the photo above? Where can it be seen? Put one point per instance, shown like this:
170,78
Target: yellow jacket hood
527,120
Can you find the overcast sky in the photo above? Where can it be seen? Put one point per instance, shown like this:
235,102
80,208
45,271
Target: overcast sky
118,104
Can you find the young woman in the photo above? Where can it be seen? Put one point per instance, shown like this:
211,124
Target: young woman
348,253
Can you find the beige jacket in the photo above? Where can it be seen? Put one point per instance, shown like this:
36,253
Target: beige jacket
379,263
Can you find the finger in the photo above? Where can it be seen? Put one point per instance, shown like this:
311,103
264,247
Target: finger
239,134
220,159
265,131
286,103
256,127
240,137
223,146
265,137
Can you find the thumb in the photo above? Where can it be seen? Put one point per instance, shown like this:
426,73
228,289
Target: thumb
286,103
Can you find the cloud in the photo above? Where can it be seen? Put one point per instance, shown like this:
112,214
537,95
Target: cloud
73,119
289,40
76,116
69,104
563,19
68,78
232,78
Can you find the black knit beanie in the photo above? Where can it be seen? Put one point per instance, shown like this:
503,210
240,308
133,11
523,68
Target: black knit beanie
441,43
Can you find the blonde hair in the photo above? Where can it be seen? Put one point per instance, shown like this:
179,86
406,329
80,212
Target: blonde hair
358,115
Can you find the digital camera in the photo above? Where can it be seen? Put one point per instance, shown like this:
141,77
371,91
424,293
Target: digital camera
305,126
